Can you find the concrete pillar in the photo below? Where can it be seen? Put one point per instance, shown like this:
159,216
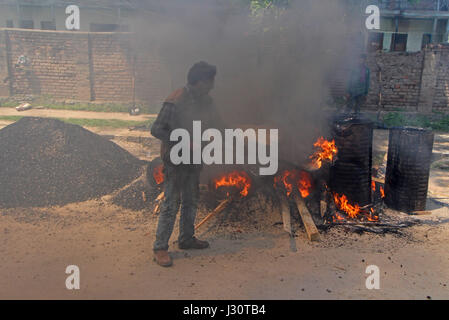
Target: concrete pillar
428,80
446,37
414,42
387,42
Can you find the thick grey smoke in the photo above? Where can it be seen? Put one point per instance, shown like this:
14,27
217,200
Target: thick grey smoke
273,69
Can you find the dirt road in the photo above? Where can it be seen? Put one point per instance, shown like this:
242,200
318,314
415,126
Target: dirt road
113,248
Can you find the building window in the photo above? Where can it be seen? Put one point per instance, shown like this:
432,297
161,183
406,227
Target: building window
375,41
426,39
399,42
48,25
27,24
9,24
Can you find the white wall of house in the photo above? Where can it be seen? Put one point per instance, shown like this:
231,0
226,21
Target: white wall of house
87,16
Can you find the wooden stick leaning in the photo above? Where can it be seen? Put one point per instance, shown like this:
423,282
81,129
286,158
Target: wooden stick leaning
159,199
312,231
217,210
285,213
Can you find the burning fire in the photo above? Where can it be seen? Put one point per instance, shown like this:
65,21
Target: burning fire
326,152
304,184
284,177
343,204
382,192
381,189
352,210
290,178
158,174
238,179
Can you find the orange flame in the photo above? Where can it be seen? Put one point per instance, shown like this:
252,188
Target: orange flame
326,152
158,174
304,184
337,217
290,178
382,192
284,178
235,179
372,217
373,185
343,204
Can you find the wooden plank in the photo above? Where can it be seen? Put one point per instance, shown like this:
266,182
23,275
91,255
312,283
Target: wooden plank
285,212
217,210
312,231
323,207
421,213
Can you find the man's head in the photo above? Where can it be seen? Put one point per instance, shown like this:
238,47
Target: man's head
201,77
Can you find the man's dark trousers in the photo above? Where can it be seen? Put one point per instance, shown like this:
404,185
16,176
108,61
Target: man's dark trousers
181,188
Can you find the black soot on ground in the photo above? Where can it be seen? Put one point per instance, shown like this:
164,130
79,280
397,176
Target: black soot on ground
45,162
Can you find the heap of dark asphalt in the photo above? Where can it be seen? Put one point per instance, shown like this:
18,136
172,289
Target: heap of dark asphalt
47,162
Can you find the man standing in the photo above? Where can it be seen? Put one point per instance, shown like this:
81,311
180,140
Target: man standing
358,85
181,182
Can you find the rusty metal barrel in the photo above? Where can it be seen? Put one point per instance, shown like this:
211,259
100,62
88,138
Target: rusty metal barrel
408,168
351,173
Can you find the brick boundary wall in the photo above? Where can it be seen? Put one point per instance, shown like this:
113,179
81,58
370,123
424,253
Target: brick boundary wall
413,82
80,66
86,66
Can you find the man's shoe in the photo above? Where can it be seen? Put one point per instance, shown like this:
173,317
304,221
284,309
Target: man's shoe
193,243
162,258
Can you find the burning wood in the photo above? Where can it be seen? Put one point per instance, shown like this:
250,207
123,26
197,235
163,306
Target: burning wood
326,152
343,204
374,187
158,200
352,211
290,178
304,184
238,179
158,174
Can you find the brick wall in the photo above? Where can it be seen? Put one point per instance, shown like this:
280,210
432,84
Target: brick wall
58,63
112,66
441,92
4,83
100,66
395,80
415,82
79,66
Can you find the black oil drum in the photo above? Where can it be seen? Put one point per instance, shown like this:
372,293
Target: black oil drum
408,167
351,173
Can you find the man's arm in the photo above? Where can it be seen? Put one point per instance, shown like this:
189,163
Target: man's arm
163,125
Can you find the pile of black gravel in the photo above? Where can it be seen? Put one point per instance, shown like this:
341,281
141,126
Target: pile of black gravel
45,162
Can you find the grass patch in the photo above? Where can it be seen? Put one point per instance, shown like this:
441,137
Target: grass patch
48,103
396,119
99,123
